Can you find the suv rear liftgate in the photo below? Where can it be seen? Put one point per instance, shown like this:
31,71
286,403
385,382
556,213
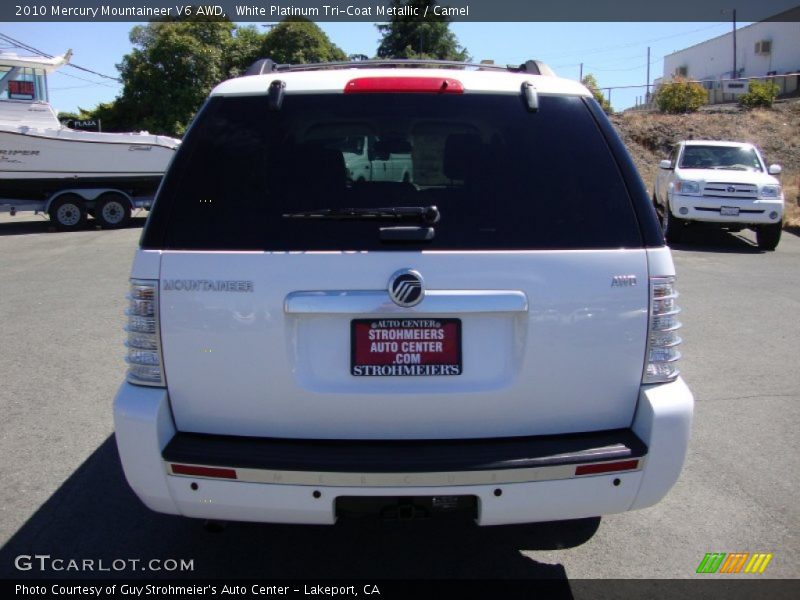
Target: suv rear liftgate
485,320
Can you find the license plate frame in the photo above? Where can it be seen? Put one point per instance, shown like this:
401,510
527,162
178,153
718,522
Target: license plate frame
447,361
729,211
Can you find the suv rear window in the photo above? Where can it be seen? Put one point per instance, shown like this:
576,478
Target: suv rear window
502,177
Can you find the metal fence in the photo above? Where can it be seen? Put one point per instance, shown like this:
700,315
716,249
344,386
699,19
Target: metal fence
718,89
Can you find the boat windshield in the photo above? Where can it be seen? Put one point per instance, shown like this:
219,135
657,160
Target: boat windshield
22,83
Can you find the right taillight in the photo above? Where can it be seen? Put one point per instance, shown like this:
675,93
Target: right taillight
662,334
145,366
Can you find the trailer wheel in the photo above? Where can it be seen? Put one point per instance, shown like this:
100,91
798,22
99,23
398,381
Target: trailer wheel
112,211
68,212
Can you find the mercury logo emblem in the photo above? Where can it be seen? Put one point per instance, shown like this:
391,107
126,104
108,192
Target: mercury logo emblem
406,288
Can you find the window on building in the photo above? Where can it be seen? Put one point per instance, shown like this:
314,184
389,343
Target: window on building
764,47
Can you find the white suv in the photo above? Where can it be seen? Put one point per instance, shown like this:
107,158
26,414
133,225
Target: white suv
722,184
495,335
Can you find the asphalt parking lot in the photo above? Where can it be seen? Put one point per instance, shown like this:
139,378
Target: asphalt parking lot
63,492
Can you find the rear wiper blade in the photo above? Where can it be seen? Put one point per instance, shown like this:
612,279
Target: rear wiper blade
423,214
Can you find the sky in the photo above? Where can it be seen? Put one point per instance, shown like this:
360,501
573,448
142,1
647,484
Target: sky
615,53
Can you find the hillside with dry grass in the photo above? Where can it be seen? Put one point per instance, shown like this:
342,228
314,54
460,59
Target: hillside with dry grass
775,131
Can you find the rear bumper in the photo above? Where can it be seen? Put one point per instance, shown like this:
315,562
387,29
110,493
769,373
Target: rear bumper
283,481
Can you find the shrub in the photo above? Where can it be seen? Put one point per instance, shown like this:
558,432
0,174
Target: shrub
681,96
761,93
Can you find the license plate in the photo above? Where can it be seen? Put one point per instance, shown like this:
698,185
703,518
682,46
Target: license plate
405,347
729,211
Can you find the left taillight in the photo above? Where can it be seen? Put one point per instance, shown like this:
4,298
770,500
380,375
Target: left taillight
145,365
663,339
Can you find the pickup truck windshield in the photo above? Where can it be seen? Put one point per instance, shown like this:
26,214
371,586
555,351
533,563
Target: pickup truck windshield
501,177
734,158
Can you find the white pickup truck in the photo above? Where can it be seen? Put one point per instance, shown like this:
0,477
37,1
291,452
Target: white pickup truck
720,184
369,158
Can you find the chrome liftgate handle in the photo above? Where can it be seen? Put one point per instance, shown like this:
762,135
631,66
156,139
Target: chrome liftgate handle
378,302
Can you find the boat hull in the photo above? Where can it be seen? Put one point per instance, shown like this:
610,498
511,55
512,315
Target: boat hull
34,165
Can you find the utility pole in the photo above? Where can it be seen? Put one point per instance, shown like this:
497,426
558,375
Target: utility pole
647,87
580,77
735,72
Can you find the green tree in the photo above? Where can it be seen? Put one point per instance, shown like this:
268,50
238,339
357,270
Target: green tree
761,94
298,41
116,117
410,37
176,62
681,96
590,82
243,51
173,66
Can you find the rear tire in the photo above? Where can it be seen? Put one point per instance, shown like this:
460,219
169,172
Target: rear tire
68,212
112,211
768,236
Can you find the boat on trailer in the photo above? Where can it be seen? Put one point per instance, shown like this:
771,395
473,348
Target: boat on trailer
42,161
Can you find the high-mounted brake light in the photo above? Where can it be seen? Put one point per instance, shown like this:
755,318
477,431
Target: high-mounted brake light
404,85
145,366
662,335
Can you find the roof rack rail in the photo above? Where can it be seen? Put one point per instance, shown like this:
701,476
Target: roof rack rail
266,65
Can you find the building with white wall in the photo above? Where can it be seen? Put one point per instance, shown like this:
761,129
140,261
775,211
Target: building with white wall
764,48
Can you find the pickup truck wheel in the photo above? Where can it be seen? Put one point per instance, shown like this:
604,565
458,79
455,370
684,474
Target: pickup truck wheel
68,212
671,225
113,211
768,236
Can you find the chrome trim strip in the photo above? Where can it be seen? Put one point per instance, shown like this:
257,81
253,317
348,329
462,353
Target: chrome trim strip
432,479
378,302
